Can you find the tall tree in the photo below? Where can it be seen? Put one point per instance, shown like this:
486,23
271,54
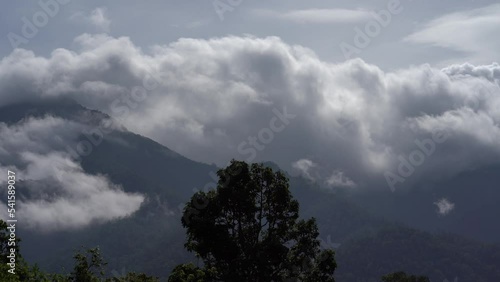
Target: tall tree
248,229
89,266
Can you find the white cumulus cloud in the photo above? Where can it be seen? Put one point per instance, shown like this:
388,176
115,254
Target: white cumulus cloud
98,18
304,167
57,193
209,96
444,206
339,179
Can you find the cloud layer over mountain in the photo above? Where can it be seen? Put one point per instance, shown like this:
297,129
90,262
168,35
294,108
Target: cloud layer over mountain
56,192
261,99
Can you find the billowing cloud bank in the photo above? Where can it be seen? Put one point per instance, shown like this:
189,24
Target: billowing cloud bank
262,99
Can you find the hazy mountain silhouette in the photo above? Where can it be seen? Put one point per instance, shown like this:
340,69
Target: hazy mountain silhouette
151,240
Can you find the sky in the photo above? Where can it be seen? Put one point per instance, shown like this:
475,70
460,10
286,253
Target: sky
344,97
422,32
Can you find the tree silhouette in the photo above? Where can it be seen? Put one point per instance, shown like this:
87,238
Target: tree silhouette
248,229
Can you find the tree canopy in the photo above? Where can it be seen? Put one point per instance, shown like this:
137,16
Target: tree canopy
89,266
248,229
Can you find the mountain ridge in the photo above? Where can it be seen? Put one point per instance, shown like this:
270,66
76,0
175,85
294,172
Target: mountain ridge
168,179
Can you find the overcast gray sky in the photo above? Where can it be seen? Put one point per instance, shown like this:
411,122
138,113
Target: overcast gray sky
424,32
